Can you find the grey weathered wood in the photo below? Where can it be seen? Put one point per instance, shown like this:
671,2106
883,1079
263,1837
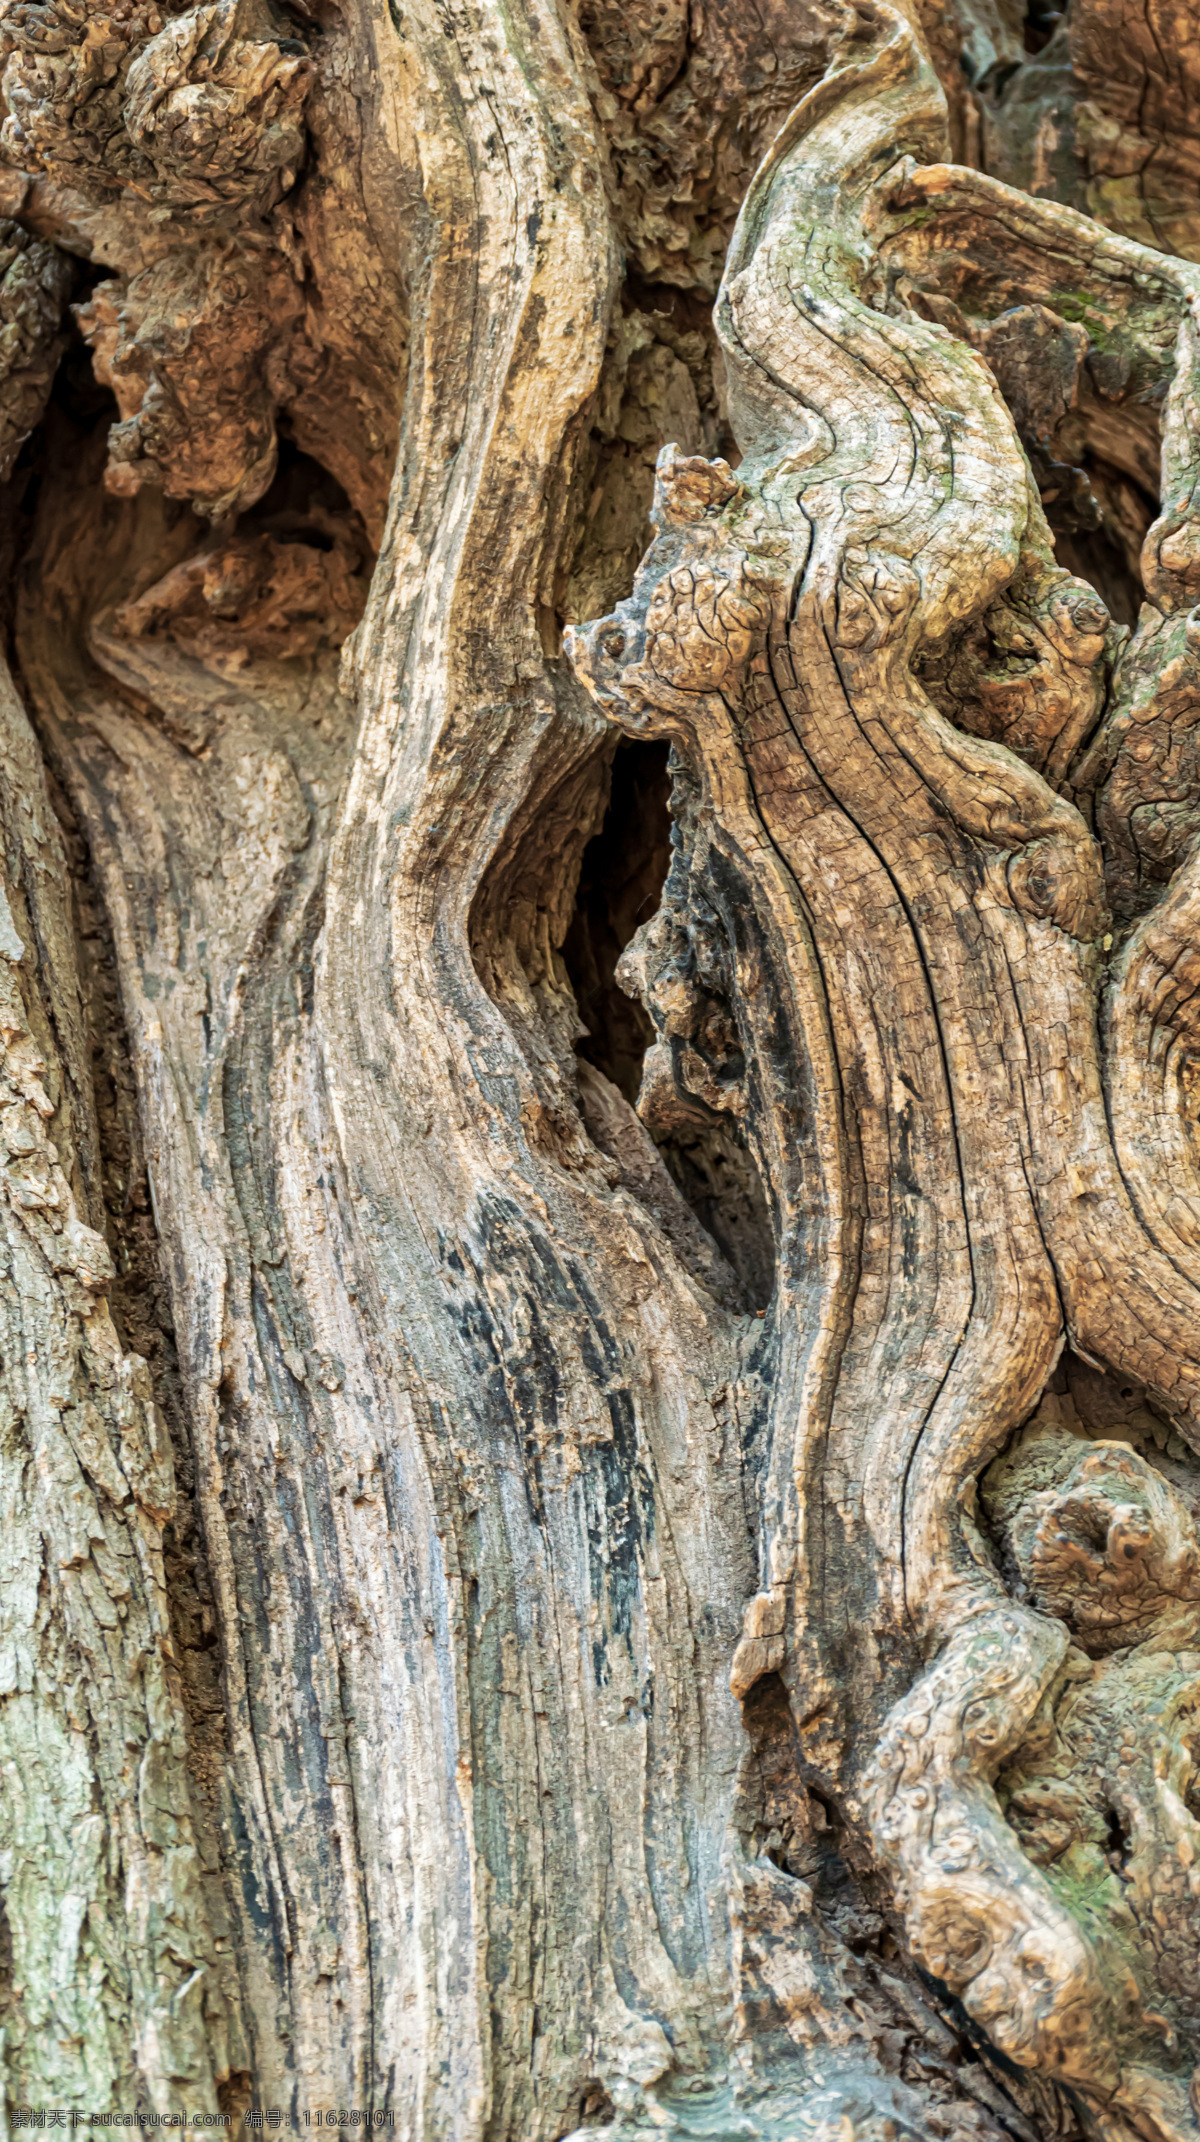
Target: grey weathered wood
483,1637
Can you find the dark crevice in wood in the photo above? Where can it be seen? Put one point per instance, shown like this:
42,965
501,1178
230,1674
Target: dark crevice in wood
581,875
704,1136
720,1182
1092,555
775,1813
596,2108
1117,1842
302,496
78,397
620,884
1042,19
76,387
1098,521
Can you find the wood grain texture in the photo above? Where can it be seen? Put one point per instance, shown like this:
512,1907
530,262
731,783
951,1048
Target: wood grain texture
778,628
624,1570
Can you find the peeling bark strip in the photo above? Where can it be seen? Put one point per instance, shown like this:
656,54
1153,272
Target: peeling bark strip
637,1567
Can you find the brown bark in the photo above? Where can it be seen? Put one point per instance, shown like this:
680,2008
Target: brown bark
645,1125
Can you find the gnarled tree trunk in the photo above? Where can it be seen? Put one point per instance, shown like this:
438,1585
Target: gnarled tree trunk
601,1355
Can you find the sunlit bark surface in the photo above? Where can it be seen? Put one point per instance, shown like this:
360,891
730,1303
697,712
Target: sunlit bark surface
601,1356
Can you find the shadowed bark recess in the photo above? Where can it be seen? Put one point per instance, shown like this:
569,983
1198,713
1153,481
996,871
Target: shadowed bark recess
624,1555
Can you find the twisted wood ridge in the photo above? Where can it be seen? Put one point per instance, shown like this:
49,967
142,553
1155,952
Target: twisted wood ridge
931,789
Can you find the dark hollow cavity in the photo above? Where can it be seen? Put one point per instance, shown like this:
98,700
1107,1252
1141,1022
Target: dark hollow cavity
620,885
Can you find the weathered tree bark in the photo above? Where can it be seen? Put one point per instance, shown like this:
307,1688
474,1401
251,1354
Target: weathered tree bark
601,1358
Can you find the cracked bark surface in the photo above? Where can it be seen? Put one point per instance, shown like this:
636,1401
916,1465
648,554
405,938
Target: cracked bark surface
601,1391
779,628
